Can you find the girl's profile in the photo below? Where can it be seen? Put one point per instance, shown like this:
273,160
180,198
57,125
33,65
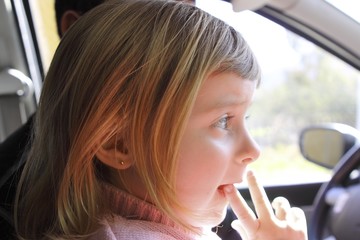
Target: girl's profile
140,131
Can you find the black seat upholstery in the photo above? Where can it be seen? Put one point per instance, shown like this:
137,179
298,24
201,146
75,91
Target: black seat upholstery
11,164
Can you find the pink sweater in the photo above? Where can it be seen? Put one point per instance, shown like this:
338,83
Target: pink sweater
135,219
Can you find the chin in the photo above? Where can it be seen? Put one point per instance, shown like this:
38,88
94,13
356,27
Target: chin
211,218
219,217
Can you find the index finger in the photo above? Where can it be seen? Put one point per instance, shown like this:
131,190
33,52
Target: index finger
258,195
238,204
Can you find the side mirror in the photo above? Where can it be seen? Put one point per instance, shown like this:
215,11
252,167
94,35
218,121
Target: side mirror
326,144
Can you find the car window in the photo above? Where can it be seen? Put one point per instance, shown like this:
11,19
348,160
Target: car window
302,85
43,14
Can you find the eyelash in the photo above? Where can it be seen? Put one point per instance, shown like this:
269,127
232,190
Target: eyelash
225,120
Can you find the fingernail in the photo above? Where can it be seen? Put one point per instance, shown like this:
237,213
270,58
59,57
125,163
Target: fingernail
228,188
250,173
235,224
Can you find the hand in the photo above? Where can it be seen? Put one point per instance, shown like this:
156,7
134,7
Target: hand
286,223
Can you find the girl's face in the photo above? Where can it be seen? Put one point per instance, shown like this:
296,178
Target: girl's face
216,147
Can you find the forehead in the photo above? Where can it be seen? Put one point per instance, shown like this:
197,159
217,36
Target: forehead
224,90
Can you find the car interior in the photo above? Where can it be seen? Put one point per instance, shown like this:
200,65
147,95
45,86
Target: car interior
330,144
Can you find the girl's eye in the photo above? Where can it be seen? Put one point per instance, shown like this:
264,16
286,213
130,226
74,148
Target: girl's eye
223,122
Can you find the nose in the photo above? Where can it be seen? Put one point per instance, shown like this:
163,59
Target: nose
248,150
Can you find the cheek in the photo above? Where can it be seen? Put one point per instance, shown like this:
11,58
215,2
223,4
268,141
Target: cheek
202,169
204,155
202,165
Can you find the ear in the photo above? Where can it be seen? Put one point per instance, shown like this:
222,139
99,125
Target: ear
114,157
67,20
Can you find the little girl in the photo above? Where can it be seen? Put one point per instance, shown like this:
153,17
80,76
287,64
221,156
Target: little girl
140,132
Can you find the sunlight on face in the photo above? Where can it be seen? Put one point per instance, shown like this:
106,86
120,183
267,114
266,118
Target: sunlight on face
216,147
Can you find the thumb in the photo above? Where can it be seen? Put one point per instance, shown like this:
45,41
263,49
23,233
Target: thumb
236,224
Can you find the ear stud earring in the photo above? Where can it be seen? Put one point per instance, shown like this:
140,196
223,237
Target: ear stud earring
122,162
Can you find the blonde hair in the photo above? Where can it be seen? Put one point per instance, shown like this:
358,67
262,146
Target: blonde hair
129,70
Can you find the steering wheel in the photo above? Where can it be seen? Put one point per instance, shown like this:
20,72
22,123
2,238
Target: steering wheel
336,212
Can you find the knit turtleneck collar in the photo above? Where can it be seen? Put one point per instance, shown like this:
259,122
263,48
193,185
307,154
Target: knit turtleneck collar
131,207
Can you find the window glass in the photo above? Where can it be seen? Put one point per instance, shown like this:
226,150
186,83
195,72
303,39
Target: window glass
43,13
302,85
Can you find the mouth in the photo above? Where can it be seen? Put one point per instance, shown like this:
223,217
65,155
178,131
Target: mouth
220,190
221,187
